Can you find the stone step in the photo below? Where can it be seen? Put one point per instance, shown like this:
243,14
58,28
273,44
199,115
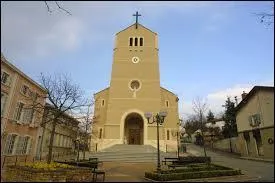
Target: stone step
130,153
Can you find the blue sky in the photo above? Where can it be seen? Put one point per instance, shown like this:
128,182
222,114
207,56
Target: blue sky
207,49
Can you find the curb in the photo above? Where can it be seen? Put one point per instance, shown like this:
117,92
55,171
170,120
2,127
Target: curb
255,159
240,178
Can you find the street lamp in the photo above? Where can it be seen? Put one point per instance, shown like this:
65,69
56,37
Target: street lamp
176,133
159,119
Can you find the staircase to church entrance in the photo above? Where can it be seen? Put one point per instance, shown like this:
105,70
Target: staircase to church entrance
131,153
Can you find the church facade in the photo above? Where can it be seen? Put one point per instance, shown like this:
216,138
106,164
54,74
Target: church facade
134,89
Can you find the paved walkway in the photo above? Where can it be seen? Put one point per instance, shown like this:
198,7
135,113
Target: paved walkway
263,170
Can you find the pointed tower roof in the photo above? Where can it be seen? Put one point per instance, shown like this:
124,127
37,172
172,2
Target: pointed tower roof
135,25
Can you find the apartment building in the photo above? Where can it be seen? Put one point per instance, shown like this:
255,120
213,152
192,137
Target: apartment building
255,123
19,121
65,134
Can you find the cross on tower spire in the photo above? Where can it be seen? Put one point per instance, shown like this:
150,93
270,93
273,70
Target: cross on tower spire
136,15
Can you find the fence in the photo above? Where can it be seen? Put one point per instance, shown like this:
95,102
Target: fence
19,159
224,145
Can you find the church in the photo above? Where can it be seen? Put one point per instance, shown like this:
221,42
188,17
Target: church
119,110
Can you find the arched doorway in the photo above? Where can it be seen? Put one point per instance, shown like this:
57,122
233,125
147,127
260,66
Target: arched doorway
133,129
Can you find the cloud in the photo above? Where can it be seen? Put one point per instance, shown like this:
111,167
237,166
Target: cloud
29,31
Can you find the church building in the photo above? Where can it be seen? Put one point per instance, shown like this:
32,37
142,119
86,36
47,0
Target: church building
134,90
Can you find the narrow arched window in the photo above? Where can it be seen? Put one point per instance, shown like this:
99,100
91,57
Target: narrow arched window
141,41
136,41
100,133
167,103
102,102
131,41
168,135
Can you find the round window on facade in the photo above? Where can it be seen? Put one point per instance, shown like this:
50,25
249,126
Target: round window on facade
135,85
135,60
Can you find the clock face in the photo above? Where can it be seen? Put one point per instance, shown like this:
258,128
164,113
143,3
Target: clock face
135,60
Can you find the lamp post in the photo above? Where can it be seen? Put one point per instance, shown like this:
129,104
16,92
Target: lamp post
159,119
176,133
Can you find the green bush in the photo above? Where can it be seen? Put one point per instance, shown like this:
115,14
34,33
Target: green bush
190,175
193,159
195,169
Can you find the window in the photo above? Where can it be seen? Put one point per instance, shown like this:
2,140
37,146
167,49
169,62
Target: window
24,89
131,41
27,115
61,140
100,133
141,41
135,85
5,77
10,143
22,146
3,102
18,111
56,138
167,103
168,135
102,102
136,41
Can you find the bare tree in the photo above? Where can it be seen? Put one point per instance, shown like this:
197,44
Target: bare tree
58,5
266,17
86,121
64,97
200,107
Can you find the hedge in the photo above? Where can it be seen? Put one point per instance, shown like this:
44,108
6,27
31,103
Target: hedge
195,169
191,175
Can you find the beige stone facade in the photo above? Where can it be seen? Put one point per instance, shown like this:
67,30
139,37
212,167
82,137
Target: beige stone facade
19,125
64,137
134,89
255,123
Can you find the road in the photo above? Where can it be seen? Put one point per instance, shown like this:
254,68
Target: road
263,170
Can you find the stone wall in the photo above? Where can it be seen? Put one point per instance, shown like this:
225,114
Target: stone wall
24,174
224,145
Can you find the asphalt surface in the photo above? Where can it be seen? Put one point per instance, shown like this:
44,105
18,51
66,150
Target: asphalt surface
263,170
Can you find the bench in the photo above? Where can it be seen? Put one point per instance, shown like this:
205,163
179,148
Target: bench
96,171
90,164
168,159
93,159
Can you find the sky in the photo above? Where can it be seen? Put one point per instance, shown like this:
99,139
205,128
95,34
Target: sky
210,50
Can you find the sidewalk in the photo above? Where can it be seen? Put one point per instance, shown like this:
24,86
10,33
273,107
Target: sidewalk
257,159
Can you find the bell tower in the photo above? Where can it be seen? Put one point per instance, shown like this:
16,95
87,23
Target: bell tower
135,78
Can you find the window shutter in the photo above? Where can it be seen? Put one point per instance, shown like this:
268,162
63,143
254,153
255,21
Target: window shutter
9,80
8,140
16,111
16,141
3,102
29,146
19,145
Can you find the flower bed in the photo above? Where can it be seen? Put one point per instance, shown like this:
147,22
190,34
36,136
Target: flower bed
192,172
43,172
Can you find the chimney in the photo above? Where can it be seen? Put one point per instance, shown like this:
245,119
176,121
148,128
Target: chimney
243,95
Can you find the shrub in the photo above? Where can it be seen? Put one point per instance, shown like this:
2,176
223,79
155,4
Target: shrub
194,159
190,175
46,166
193,168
